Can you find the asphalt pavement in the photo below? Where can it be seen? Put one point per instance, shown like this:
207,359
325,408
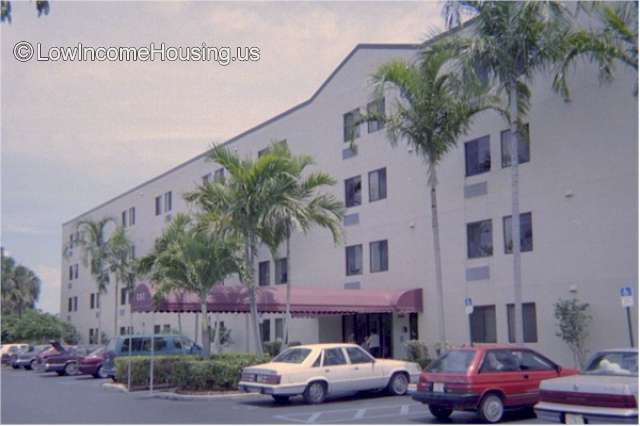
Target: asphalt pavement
29,398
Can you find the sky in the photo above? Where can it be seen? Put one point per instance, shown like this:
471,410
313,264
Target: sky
74,134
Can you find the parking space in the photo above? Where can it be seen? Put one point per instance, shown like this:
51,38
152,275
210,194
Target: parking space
29,398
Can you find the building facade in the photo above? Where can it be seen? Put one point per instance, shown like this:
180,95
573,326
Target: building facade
578,197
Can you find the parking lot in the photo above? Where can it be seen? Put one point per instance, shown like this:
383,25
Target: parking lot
28,397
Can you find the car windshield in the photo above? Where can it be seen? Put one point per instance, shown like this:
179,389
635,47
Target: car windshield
293,356
452,362
613,364
96,352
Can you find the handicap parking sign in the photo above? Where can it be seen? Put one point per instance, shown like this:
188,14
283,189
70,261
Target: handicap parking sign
468,305
626,291
626,297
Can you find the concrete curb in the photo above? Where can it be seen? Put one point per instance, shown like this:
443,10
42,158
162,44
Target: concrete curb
185,397
115,387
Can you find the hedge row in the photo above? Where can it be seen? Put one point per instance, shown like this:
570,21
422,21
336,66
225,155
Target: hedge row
219,372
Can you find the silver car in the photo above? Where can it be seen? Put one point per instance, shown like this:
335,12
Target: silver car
605,392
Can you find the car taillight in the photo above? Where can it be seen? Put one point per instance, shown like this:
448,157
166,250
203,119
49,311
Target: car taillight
423,384
268,379
589,399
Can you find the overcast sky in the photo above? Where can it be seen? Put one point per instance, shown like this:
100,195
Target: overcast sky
75,134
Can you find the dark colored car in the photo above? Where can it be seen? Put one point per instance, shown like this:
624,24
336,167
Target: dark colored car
92,364
487,379
165,344
27,359
63,360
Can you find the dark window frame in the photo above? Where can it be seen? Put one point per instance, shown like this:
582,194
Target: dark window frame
158,205
349,130
526,142
281,278
525,245
264,278
381,176
486,333
376,107
124,218
472,163
132,216
476,253
384,260
353,194
529,322
354,248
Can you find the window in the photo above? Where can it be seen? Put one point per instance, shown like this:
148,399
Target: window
218,175
358,356
282,270
158,205
167,201
132,251
70,305
70,272
376,108
531,361
263,273
156,329
75,303
206,178
483,324
354,259
91,336
75,270
123,331
379,256
316,363
378,184
124,219
500,361
477,156
92,301
479,239
413,326
351,130
123,296
159,344
279,329
334,356
523,146
132,216
526,233
166,329
265,330
293,356
528,322
353,191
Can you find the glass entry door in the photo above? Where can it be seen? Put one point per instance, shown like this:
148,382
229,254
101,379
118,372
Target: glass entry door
371,331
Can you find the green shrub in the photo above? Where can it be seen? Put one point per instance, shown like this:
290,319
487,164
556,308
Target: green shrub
219,372
418,352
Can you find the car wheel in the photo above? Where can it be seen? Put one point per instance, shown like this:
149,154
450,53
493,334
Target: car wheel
101,373
440,412
71,369
281,399
315,393
398,384
60,373
491,408
15,366
30,366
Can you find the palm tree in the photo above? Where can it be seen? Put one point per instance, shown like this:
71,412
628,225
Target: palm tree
94,243
246,204
300,207
192,259
123,267
615,40
508,43
20,287
431,113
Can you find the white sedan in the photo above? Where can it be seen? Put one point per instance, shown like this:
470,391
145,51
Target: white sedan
316,371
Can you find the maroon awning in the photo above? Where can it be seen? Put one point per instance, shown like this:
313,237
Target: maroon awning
304,301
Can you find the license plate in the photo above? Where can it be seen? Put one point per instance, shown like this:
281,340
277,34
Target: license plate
438,387
573,419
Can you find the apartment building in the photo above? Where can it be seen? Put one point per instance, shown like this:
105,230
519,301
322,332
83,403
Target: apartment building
578,197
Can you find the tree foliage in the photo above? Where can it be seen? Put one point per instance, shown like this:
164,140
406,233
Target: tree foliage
37,327
573,326
20,287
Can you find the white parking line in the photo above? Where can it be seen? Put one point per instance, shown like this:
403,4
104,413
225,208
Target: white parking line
350,414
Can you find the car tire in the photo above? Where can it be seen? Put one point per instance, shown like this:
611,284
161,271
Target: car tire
15,366
71,369
439,412
281,399
60,373
30,366
100,373
398,384
491,408
315,393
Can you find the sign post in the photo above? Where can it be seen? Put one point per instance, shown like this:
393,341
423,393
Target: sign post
468,308
626,298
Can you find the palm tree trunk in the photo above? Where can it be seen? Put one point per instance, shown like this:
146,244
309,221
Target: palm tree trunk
287,313
179,323
129,332
249,251
206,346
99,316
515,215
437,257
115,312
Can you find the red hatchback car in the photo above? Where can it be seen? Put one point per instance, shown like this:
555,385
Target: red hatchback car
485,378
92,364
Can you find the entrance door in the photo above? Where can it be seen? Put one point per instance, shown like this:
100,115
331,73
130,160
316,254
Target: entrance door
371,331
